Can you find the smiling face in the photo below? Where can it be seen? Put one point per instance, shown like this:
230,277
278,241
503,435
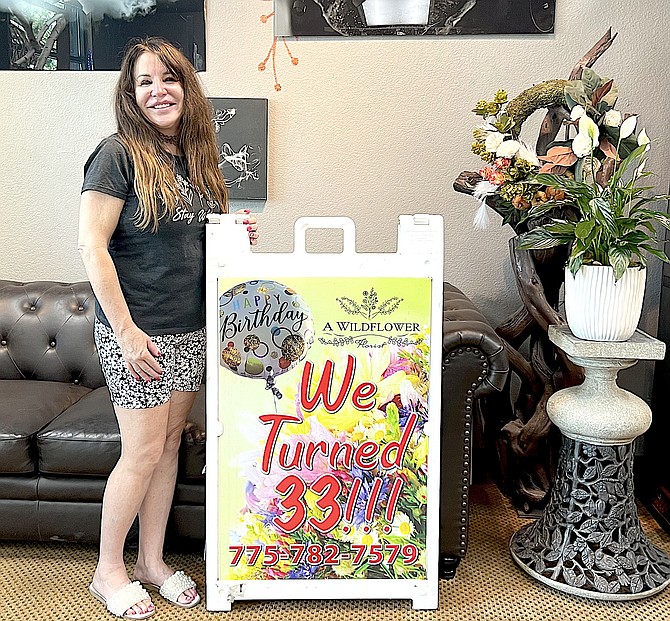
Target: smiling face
158,93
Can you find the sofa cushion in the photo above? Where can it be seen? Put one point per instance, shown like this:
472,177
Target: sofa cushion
26,406
189,493
71,489
83,440
46,333
19,486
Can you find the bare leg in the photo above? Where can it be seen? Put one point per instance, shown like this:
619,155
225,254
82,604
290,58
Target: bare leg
155,508
143,434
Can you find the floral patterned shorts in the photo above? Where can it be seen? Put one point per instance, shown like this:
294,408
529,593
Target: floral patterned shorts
182,359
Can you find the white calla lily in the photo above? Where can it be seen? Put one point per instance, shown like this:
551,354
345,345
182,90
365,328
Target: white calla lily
640,169
643,139
590,129
508,148
577,112
582,145
627,127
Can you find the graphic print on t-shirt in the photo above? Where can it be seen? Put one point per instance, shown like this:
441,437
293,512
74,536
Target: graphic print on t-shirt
185,212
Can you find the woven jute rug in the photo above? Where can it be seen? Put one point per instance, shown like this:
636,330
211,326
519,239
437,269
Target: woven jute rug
48,582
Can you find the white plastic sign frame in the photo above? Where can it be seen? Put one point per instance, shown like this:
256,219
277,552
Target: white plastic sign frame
419,259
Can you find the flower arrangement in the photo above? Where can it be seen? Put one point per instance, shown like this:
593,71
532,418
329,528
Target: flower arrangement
586,190
598,173
509,163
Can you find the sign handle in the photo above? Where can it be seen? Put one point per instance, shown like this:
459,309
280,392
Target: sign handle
325,222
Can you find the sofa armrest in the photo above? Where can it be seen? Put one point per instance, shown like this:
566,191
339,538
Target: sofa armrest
464,326
474,364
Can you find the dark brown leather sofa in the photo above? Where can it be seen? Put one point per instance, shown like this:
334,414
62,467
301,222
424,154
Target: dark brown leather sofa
59,438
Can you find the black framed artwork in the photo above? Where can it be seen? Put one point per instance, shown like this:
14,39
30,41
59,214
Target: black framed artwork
88,35
412,17
241,126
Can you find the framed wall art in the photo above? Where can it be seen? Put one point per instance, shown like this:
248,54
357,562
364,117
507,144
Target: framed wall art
88,35
318,18
241,126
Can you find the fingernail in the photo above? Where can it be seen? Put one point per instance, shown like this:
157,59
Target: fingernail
245,222
250,228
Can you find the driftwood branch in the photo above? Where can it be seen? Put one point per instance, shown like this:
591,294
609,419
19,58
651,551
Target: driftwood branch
531,289
516,328
523,368
593,54
551,125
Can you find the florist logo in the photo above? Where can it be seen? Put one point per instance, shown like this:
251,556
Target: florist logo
369,307
360,333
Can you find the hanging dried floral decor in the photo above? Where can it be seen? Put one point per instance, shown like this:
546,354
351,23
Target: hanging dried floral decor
272,52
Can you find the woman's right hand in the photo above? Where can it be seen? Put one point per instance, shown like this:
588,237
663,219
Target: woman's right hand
140,354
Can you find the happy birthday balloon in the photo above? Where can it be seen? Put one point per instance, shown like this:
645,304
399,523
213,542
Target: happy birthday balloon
265,330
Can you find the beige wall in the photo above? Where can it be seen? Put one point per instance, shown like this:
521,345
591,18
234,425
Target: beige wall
363,128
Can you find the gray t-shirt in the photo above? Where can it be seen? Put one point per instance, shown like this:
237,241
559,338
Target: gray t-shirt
162,273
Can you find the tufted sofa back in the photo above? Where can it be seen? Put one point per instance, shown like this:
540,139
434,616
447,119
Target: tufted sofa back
46,333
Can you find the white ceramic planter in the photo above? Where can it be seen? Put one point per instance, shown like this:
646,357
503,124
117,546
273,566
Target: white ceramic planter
597,308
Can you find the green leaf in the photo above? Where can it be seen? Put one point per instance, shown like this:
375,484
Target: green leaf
659,254
619,259
635,237
575,90
603,213
657,216
569,100
584,228
627,224
590,80
560,227
630,159
539,210
504,123
575,263
540,239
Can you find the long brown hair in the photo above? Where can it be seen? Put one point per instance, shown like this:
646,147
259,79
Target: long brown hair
155,182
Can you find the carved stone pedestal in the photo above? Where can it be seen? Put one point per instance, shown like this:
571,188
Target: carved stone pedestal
589,541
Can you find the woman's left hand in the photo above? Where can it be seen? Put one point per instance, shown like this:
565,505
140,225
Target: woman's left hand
250,222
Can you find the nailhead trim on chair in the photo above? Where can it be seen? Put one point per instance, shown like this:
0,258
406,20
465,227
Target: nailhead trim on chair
467,435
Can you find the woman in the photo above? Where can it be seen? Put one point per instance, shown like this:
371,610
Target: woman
146,193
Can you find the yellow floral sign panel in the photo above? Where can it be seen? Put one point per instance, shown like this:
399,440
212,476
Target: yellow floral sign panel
323,400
